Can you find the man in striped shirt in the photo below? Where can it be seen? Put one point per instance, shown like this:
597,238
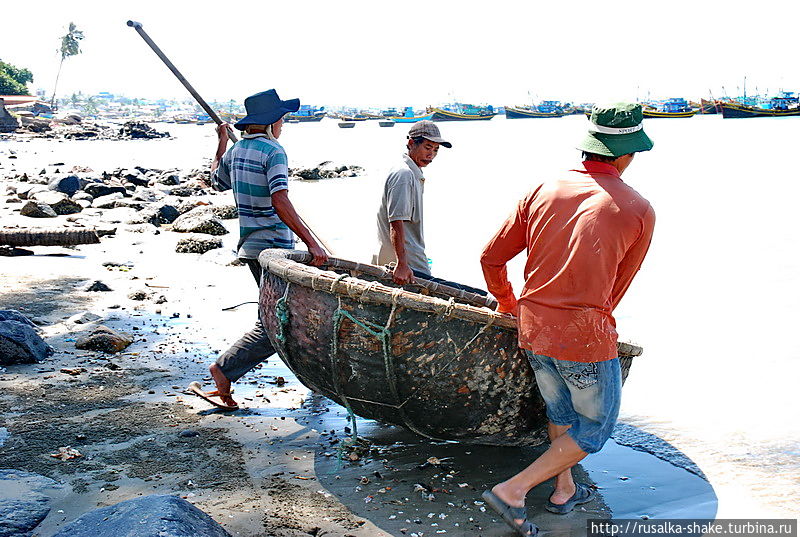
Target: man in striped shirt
256,169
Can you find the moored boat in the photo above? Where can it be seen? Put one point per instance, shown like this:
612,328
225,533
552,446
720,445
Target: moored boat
671,108
542,110
409,116
386,123
306,114
784,105
434,359
462,112
347,124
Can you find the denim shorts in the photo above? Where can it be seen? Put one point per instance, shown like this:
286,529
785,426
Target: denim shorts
583,395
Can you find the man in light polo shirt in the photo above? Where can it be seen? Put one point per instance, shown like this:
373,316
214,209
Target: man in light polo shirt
400,230
586,234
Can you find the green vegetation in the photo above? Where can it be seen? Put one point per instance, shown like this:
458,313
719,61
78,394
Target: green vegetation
14,80
70,46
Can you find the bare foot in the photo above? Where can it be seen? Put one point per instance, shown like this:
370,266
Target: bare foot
223,384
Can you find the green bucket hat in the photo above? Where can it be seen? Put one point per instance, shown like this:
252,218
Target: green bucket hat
616,130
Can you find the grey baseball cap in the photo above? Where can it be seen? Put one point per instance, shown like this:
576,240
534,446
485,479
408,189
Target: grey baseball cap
428,130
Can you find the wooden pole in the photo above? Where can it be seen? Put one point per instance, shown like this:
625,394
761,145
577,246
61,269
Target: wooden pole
203,104
210,111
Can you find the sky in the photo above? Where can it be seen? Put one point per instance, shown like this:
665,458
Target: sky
412,53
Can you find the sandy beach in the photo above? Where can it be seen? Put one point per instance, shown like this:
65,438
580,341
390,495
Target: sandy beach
277,466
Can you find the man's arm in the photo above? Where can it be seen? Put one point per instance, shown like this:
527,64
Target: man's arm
632,261
286,212
219,176
506,243
402,272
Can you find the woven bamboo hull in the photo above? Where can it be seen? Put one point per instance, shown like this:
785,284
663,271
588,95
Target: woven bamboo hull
435,372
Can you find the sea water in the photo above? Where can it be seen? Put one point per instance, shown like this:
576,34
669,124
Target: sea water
714,306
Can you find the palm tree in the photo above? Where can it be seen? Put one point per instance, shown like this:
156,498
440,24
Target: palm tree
70,46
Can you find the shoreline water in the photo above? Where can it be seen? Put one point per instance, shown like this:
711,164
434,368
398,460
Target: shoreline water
724,438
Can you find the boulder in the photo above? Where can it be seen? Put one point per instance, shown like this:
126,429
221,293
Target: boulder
19,341
103,339
225,212
82,195
108,201
97,286
199,221
35,209
149,516
168,213
134,177
137,130
197,244
24,502
27,191
58,201
69,185
97,190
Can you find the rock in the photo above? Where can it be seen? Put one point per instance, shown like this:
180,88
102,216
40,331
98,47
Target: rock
196,244
69,185
202,221
183,191
225,212
167,214
96,286
97,190
149,516
134,177
137,130
34,209
58,201
137,205
19,341
108,201
188,433
141,294
169,179
103,339
84,318
82,195
24,502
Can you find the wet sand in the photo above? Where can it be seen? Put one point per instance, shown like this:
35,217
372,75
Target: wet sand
275,467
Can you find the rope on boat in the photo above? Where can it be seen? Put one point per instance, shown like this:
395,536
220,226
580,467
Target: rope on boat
282,313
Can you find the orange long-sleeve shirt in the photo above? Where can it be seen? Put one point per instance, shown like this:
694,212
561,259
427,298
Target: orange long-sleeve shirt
586,236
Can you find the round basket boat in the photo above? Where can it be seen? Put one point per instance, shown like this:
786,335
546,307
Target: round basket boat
434,359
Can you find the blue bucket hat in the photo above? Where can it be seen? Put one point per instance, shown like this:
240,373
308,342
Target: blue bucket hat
266,108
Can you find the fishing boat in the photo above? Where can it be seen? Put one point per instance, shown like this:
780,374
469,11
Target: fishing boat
386,123
347,124
710,106
462,112
306,114
409,116
434,359
784,105
541,110
675,107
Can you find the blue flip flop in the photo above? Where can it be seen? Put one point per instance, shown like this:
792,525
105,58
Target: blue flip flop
583,494
509,514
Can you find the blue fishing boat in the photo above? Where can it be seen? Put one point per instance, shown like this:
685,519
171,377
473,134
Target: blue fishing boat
462,112
785,104
543,109
409,116
307,113
676,107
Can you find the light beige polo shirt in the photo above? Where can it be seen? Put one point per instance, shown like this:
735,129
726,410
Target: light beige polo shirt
402,200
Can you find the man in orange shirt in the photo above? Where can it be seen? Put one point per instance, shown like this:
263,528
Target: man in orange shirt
586,235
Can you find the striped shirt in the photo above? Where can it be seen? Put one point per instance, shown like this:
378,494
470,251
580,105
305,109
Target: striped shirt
255,168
